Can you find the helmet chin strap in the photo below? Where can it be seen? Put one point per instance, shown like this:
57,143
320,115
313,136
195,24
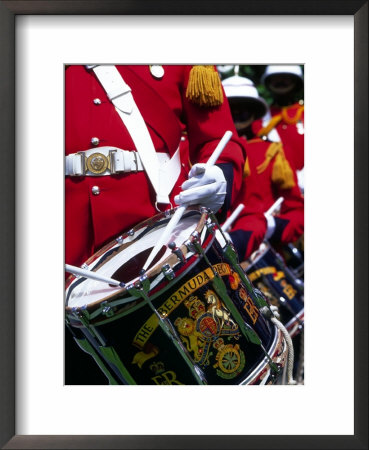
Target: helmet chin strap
244,127
248,122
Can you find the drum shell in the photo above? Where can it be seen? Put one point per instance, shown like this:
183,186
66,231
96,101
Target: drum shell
210,336
293,256
268,270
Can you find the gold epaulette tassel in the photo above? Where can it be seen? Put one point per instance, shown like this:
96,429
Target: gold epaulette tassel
282,173
204,86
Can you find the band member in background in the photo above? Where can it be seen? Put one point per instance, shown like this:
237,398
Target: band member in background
267,176
123,126
286,119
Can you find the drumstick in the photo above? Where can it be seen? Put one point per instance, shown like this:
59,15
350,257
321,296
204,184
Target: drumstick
88,274
181,209
227,224
274,207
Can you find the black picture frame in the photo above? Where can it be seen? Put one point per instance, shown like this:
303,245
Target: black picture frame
8,11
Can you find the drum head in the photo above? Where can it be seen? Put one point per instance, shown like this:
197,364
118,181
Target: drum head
124,258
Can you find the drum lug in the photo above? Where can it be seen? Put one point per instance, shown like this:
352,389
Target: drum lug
81,314
107,310
190,246
119,240
210,227
177,251
131,232
143,282
143,276
140,287
129,288
196,236
168,272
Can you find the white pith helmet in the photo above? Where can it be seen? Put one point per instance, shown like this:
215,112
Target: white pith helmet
285,69
243,90
225,68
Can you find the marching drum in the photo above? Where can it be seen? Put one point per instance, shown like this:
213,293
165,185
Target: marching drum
293,255
268,272
193,317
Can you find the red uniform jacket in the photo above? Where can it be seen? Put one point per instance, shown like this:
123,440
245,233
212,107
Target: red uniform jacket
290,128
127,199
259,192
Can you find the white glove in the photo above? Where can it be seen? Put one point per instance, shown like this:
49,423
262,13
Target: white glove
270,226
206,186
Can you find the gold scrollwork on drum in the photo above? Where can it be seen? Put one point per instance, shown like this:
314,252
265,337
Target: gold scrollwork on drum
97,163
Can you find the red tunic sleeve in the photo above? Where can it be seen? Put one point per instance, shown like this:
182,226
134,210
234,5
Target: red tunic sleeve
290,221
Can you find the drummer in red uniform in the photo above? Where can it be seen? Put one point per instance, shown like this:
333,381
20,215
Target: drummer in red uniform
285,82
267,176
123,126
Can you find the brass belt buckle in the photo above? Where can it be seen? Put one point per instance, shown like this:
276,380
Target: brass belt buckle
97,163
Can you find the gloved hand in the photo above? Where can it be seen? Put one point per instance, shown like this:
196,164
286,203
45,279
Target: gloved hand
206,186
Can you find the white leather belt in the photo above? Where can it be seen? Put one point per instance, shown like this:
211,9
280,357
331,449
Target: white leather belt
108,160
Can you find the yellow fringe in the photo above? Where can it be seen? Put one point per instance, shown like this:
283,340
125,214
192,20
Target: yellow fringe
274,121
273,149
204,86
246,169
291,120
282,173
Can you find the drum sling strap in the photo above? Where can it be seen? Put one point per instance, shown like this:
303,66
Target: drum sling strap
161,176
273,134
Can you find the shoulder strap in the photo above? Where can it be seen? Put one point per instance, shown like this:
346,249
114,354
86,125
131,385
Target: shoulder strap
273,122
291,120
161,118
119,93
